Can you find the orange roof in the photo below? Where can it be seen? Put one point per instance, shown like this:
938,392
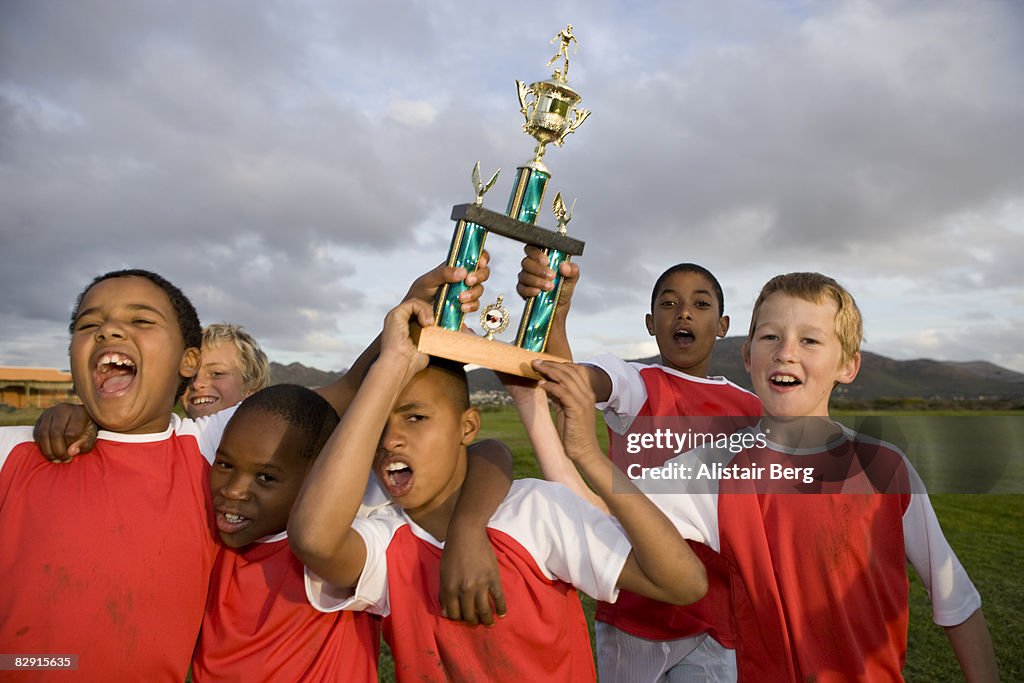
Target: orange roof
34,375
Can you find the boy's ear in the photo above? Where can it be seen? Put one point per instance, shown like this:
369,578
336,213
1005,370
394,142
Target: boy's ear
723,326
746,355
190,362
649,321
848,369
470,425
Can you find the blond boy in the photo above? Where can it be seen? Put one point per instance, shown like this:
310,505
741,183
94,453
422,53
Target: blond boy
819,539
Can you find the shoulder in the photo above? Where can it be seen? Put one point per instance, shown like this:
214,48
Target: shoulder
206,430
186,426
13,437
535,508
379,525
537,493
872,450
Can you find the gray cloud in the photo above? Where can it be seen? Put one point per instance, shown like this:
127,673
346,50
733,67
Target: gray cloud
267,156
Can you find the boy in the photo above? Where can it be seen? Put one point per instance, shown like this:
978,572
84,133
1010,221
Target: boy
97,553
233,367
821,576
640,639
258,624
410,424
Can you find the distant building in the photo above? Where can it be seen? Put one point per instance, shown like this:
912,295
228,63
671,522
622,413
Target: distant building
35,387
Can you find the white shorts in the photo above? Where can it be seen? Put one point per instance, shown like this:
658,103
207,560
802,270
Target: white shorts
625,658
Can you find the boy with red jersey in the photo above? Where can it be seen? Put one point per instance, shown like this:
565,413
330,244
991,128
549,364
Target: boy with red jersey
410,424
640,639
258,624
96,553
819,563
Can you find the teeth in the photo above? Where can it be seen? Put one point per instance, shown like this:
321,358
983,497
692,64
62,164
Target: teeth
396,466
202,400
233,518
784,379
118,359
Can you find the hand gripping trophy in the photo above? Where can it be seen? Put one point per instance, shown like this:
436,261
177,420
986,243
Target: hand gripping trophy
550,116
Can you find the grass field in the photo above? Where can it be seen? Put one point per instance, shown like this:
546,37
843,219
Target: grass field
987,532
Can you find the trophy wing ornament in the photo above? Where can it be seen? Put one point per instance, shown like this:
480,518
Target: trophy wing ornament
482,188
562,215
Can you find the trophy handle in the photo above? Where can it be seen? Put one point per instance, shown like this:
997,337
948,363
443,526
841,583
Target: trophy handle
523,90
579,116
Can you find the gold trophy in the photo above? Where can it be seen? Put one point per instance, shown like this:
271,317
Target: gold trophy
550,115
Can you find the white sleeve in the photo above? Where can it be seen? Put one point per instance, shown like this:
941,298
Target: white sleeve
374,497
211,429
569,538
690,504
371,592
954,597
694,515
11,437
207,430
628,391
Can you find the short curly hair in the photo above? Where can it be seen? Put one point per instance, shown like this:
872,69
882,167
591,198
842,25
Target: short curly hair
188,319
301,408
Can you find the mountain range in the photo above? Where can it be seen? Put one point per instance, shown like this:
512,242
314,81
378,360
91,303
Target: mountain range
879,378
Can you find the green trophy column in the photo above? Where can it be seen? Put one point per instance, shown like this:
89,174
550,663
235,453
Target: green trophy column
540,310
524,204
467,244
527,194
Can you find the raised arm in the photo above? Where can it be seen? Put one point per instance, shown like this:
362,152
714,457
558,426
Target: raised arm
320,526
661,565
470,582
532,403
340,393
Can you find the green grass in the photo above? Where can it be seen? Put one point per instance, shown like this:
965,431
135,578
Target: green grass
987,533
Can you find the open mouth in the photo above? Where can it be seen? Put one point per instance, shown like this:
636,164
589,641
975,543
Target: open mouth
231,523
683,336
114,374
397,478
784,381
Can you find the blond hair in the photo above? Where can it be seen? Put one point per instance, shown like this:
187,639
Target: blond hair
255,366
817,288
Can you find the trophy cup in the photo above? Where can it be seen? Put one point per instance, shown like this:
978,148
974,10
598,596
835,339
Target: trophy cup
550,115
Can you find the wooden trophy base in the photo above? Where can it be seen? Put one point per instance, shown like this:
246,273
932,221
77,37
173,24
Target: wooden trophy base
469,348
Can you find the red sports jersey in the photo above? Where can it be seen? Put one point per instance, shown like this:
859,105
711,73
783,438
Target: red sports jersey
259,625
107,557
820,578
546,539
818,564
654,390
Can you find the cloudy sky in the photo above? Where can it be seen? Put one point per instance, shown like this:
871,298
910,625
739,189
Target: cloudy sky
291,165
